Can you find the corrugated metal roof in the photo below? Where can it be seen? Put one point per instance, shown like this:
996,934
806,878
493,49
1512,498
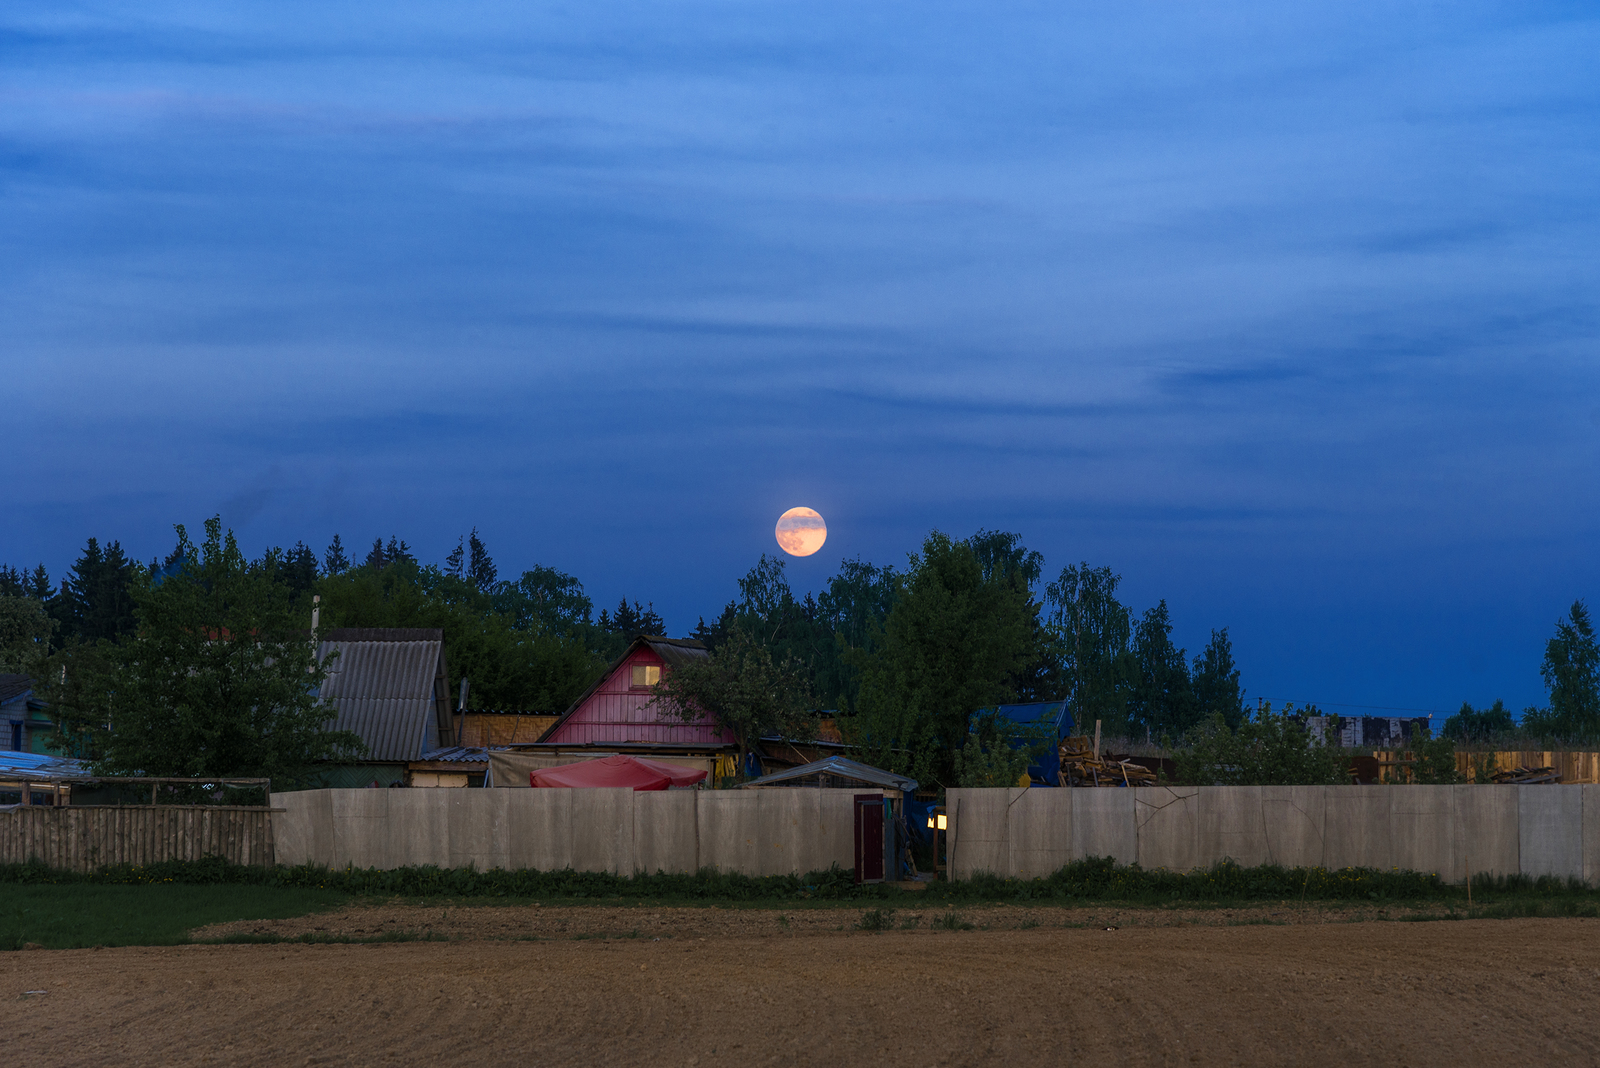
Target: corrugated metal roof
457,754
389,687
836,768
40,767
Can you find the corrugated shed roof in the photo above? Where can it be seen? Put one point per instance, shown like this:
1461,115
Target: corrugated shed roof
836,768
389,687
40,766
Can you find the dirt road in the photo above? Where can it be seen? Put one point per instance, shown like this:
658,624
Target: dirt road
1420,994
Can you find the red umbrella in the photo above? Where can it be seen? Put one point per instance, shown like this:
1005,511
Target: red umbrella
617,772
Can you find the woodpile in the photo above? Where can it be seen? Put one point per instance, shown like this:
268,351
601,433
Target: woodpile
1527,776
1081,766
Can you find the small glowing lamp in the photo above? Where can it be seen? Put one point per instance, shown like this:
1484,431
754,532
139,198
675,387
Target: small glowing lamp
930,823
941,821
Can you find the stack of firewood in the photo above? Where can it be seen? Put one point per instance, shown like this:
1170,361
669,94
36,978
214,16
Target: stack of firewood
1527,776
1081,766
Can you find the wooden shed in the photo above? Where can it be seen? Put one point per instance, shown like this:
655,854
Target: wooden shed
622,706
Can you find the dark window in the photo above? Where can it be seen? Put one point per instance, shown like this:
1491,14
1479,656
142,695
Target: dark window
16,734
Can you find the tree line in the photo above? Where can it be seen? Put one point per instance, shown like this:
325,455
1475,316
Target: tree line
903,653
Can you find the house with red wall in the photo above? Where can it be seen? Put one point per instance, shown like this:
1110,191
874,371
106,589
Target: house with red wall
621,707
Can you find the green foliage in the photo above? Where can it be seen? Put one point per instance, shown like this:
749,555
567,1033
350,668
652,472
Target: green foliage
1093,631
991,756
742,689
954,642
96,600
876,920
1089,880
1216,682
1435,762
1571,672
513,659
828,633
1161,697
25,630
1267,749
33,584
1479,725
220,678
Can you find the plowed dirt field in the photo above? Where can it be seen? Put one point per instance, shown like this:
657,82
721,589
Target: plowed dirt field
1485,992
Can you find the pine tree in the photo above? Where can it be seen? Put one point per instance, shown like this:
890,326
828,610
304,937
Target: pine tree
96,600
481,571
1161,699
334,561
1216,682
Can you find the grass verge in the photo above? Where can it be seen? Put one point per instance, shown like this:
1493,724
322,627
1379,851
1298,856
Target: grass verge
157,905
80,915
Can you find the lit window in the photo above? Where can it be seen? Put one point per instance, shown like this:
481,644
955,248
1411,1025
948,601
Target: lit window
646,675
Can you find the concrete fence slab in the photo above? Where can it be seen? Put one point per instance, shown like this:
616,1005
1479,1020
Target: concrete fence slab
1421,831
539,829
1294,825
602,831
1591,834
1485,831
1169,826
475,822
664,832
1550,819
1040,835
979,829
1104,824
1356,826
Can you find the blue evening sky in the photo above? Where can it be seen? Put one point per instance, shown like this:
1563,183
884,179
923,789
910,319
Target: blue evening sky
1287,312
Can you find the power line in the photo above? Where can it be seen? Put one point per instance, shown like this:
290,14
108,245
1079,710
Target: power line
1381,708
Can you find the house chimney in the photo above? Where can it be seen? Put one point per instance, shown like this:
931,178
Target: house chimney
316,614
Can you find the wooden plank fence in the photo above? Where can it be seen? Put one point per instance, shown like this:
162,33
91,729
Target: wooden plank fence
1573,766
86,837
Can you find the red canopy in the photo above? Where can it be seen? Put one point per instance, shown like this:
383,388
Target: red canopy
617,771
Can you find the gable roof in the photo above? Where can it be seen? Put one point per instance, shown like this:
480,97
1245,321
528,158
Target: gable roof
824,772
674,652
390,687
14,686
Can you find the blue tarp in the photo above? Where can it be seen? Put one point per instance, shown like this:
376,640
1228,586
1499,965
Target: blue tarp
1048,722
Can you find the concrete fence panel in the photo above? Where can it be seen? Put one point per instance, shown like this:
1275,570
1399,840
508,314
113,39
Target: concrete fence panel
730,830
304,828
1294,824
1550,819
1591,835
665,831
538,829
1105,824
979,829
1356,827
1421,830
1040,835
475,826
1169,826
361,829
1485,832
602,831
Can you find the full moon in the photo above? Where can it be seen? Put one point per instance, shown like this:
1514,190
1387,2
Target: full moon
801,531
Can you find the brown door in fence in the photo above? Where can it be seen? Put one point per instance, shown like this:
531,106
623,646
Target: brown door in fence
869,838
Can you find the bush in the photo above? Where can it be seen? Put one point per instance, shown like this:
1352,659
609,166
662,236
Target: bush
1268,749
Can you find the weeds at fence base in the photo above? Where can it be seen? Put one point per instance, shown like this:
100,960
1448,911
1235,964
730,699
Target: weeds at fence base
1094,879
